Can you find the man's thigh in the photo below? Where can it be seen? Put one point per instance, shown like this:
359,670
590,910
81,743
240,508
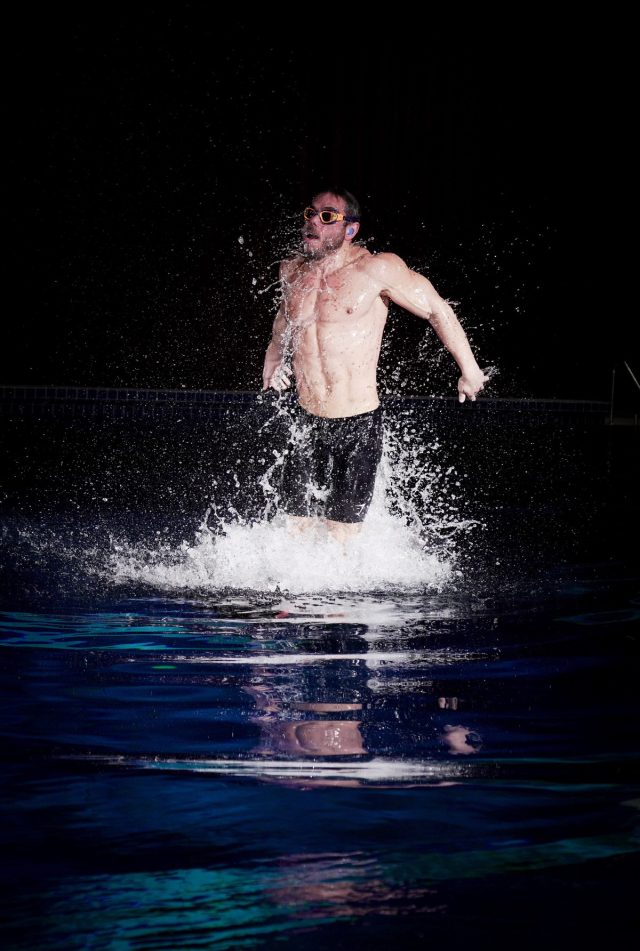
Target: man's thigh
355,463
305,472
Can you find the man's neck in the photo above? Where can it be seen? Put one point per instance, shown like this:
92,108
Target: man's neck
332,261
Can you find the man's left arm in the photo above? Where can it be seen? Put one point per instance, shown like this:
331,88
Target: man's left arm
416,294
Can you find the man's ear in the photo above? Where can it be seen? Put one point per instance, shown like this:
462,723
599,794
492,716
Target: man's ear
353,229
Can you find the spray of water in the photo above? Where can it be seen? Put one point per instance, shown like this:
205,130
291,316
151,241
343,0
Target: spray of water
408,542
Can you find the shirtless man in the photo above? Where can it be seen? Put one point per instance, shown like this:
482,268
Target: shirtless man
327,334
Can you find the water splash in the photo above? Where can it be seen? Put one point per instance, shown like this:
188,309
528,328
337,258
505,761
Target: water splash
268,556
408,542
415,539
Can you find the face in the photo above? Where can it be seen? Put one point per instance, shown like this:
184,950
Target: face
319,239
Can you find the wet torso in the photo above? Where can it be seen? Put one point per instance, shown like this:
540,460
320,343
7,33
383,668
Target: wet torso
335,320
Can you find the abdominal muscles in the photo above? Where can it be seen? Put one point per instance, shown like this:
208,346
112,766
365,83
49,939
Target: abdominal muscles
335,367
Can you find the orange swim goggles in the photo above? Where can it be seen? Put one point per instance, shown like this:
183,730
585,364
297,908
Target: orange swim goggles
327,217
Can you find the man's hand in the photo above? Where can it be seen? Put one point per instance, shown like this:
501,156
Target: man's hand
279,380
471,383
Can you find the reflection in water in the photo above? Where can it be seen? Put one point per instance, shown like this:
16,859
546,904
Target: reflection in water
321,701
339,711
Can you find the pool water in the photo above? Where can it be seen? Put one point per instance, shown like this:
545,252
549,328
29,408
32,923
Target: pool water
188,765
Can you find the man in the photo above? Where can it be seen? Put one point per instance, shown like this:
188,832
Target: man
327,334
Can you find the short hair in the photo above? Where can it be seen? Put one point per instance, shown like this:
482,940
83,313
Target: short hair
350,200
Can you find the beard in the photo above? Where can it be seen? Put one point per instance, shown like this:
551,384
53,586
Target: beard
321,247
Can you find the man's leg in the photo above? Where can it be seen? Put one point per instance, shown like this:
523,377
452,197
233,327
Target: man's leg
346,459
299,474
357,449
308,525
343,531
302,524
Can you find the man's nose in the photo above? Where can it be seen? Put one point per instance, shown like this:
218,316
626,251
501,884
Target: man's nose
310,227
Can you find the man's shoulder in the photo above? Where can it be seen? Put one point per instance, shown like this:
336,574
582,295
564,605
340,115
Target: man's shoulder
385,259
289,266
379,266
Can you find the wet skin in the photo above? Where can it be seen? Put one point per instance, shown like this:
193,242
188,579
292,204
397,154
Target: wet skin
329,326
335,299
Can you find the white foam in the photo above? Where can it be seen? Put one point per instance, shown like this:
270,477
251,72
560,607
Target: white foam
268,556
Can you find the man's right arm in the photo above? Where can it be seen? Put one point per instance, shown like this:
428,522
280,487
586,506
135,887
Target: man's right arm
274,374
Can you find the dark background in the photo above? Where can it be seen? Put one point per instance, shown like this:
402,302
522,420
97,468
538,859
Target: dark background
143,146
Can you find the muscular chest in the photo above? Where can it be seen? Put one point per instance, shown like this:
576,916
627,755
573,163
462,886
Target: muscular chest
314,298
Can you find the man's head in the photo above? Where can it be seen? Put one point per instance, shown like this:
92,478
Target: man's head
321,237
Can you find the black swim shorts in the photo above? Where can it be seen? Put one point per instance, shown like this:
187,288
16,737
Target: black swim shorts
330,467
